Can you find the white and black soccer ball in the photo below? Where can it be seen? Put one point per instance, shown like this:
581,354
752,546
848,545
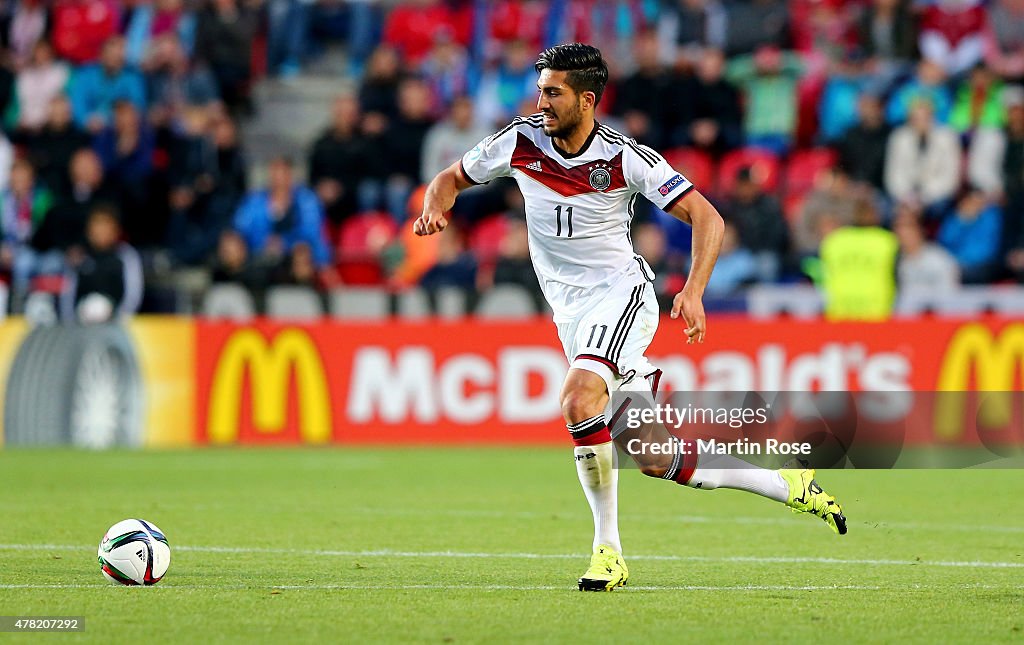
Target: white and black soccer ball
134,552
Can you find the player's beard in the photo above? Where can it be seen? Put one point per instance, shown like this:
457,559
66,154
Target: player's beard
566,124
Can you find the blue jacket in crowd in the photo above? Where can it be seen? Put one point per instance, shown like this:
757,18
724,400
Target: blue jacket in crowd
254,223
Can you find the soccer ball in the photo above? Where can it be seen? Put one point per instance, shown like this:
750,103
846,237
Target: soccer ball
134,552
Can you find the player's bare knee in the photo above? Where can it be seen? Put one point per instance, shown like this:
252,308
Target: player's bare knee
579,404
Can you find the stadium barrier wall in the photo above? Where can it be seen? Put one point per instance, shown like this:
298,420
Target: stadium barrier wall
168,381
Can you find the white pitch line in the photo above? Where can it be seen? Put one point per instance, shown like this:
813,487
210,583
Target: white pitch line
472,587
385,553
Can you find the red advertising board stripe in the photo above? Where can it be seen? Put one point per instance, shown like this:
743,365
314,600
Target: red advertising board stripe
475,381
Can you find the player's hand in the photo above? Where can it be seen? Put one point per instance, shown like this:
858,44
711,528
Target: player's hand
429,223
688,304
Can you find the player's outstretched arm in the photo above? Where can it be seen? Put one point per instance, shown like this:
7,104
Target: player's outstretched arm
439,199
708,226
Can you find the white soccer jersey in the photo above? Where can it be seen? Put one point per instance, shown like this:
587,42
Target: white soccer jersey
578,206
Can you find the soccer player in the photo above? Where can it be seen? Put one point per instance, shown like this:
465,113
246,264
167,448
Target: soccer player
580,179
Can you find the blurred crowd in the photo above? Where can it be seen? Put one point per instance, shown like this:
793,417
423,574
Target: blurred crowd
801,119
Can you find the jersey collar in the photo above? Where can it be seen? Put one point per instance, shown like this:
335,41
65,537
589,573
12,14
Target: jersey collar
583,148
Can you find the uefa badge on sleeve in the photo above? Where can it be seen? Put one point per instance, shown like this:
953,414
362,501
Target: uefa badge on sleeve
600,178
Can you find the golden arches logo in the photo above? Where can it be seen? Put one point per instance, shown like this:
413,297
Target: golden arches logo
996,360
270,365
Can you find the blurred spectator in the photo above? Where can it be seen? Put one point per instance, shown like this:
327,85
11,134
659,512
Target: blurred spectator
923,265
150,21
447,71
755,24
357,22
715,119
224,36
234,265
206,184
858,265
887,34
95,88
514,264
508,20
862,148
972,233
126,150
106,281
761,225
288,24
832,203
379,89
448,140
82,27
273,220
642,99
837,109
1004,41
455,266
929,83
923,161
823,29
1013,158
503,88
39,82
736,266
686,24
768,79
952,33
175,82
413,27
979,102
23,207
401,153
50,150
298,268
337,160
64,226
27,26
995,160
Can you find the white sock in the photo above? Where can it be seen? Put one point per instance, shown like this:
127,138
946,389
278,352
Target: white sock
595,466
726,471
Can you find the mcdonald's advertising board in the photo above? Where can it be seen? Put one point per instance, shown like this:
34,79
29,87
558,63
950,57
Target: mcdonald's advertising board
268,383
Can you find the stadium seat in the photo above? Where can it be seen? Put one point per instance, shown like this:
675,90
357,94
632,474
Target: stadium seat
362,303
798,301
360,242
230,301
695,165
3,300
413,304
804,167
968,301
450,303
506,301
294,303
1008,300
765,168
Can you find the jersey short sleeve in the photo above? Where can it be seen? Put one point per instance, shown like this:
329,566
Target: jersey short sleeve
491,158
649,174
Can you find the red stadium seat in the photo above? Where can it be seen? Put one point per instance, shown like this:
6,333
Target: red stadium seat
486,237
764,165
360,242
805,167
695,165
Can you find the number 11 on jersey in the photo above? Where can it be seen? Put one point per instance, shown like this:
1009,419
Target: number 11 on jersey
558,220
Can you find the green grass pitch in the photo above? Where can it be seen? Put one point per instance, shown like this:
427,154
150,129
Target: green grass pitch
440,545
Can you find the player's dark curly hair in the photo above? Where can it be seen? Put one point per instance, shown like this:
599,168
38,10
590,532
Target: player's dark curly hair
587,71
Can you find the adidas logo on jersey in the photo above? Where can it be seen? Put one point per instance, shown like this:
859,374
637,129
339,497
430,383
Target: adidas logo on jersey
534,165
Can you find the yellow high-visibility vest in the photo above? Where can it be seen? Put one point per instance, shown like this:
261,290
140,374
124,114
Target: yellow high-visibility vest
859,273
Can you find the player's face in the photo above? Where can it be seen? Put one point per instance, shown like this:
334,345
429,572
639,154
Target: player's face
561,105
